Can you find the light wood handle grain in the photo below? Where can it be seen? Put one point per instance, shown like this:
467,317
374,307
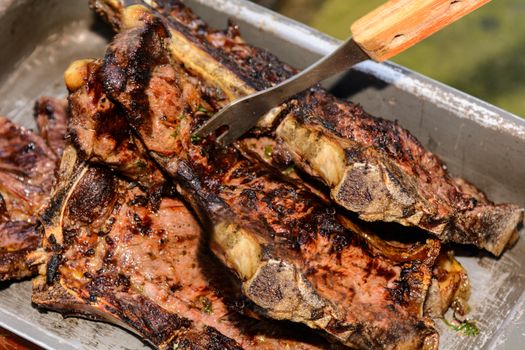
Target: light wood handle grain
399,24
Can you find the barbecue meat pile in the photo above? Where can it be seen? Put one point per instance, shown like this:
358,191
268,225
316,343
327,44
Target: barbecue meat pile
194,246
371,166
295,259
27,166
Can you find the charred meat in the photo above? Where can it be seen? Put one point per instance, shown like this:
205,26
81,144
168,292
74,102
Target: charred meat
51,120
84,111
371,166
27,174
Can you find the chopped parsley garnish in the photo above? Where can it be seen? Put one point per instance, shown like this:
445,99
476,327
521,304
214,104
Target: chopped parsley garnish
466,327
195,138
288,170
176,132
268,150
201,109
207,306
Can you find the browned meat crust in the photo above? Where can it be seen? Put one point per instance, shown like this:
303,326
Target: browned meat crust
27,167
387,175
375,168
177,293
112,143
51,120
17,239
110,254
298,262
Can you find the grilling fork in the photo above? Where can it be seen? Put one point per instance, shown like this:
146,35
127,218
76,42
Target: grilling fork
379,35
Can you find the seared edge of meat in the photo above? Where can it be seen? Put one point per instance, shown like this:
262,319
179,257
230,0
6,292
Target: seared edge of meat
17,239
51,120
450,287
109,143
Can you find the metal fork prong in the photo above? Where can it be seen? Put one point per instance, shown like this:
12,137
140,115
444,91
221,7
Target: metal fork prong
224,138
209,127
237,122
230,135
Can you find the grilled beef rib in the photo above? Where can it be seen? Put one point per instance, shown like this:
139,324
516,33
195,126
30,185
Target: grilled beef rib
90,109
296,259
372,166
111,253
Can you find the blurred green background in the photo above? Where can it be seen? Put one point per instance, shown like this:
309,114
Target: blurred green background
483,54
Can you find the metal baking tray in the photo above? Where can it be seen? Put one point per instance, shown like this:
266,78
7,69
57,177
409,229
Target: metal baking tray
479,142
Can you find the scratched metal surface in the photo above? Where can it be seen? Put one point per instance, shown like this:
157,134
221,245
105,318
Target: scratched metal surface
477,141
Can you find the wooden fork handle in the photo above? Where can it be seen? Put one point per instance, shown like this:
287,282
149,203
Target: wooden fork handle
399,24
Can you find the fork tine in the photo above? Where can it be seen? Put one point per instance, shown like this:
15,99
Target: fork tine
225,139
211,125
235,131
235,117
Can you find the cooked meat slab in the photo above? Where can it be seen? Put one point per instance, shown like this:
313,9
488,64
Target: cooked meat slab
372,166
108,143
17,239
90,106
27,168
111,253
295,257
51,120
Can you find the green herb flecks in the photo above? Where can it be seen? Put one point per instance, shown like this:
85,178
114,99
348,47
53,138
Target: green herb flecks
288,170
268,150
140,164
206,305
201,109
466,327
195,138
183,116
176,132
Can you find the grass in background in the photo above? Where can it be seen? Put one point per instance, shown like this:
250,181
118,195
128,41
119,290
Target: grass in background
483,54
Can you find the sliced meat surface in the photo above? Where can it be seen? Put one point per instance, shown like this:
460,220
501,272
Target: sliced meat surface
110,254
